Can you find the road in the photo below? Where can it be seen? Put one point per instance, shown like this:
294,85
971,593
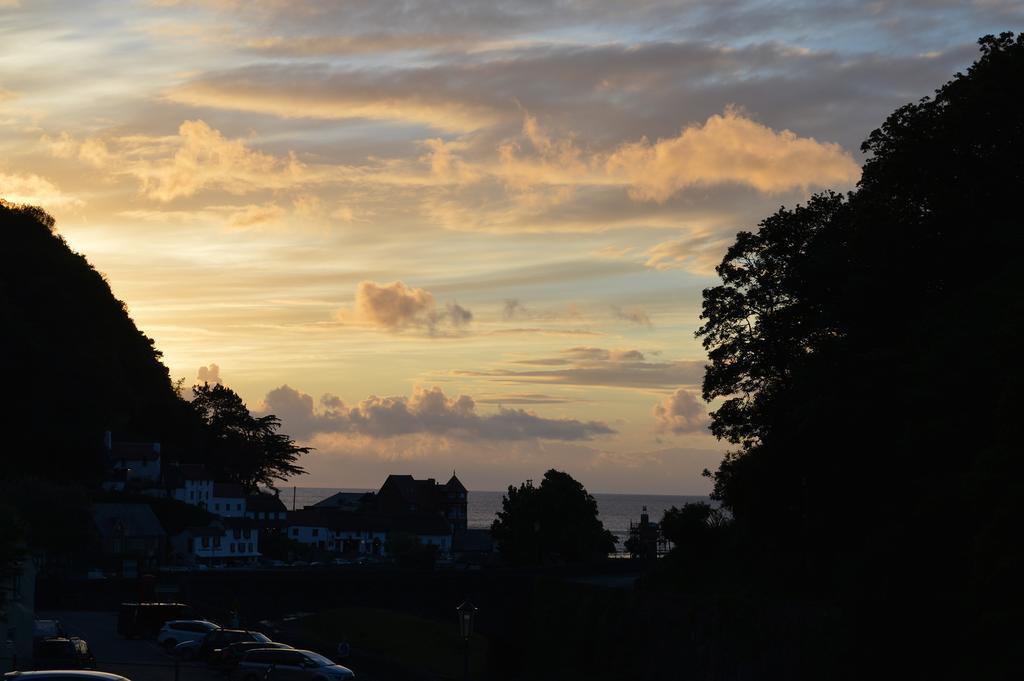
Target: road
138,660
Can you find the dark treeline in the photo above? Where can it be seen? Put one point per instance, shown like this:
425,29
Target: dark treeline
865,348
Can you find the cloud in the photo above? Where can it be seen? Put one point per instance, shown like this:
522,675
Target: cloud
32,189
427,411
316,92
731,148
254,215
397,306
681,413
599,367
634,315
209,374
700,252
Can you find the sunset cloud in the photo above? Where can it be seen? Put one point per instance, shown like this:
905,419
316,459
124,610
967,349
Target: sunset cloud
29,188
209,374
681,413
300,92
731,148
599,367
427,411
396,306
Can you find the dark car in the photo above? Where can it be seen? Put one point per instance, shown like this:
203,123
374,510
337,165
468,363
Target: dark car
146,619
211,645
62,653
229,657
289,665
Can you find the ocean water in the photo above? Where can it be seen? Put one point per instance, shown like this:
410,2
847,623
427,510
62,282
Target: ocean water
615,510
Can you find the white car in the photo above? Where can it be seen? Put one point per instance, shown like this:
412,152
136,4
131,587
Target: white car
180,631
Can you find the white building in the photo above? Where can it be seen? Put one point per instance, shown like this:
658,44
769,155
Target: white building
228,500
190,483
229,541
366,533
136,461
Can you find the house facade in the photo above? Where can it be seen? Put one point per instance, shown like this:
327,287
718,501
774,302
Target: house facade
228,500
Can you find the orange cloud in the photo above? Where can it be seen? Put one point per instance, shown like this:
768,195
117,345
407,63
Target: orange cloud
730,148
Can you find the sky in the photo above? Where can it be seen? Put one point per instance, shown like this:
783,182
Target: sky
464,235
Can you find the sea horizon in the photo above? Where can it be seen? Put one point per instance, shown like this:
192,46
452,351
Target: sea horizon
615,509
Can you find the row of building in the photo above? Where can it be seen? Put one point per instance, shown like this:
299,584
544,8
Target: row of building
425,511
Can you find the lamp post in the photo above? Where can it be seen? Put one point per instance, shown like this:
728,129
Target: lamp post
467,613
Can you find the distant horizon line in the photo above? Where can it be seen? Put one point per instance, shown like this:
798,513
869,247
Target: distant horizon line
503,491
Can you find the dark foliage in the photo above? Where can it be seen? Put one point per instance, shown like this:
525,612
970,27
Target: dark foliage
45,518
554,522
240,447
866,349
80,364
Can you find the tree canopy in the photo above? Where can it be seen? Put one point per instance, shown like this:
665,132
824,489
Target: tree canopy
555,521
240,447
863,348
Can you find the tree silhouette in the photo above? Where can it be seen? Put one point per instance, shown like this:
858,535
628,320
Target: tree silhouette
555,521
865,349
240,447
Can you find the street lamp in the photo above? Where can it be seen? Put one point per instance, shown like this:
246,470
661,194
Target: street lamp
467,613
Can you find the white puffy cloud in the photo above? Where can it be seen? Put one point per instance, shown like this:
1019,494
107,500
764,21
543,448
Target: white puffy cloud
680,413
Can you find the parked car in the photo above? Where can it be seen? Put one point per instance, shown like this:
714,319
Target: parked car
288,665
63,675
178,631
229,657
214,641
146,619
62,653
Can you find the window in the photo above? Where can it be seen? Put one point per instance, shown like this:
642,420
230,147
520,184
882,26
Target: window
295,532
206,542
316,532
246,532
216,507
260,515
238,507
216,542
232,547
250,548
192,495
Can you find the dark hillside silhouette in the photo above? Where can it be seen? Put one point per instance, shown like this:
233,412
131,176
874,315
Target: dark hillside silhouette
867,350
73,360
78,366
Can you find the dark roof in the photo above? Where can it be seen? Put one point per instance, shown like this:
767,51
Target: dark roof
228,490
135,451
175,476
126,520
339,499
454,484
307,517
413,523
262,502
